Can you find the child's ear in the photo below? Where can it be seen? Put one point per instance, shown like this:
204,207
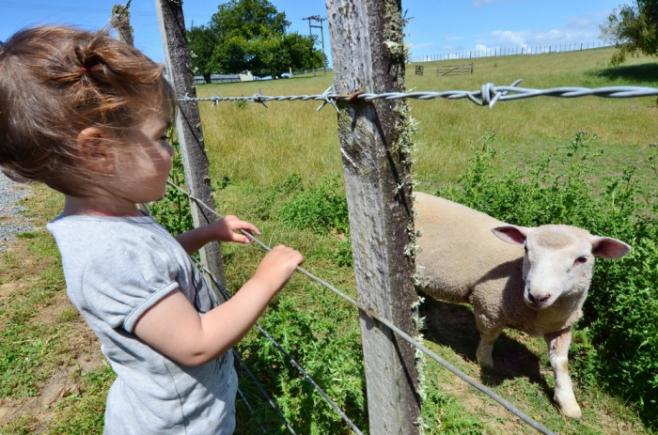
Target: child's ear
94,150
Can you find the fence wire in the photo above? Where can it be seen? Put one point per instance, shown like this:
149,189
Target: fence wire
488,95
261,389
242,365
291,360
249,408
371,313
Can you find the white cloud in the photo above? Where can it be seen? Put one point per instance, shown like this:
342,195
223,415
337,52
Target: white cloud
422,45
575,31
583,29
509,38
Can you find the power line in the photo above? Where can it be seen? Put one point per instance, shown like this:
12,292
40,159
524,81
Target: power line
312,24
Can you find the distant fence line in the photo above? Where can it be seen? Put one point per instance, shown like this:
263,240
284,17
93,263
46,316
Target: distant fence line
450,70
512,51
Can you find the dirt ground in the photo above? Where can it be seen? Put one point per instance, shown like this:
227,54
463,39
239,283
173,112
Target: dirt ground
82,351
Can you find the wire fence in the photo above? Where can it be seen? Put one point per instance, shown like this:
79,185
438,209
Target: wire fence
291,360
395,329
261,389
525,50
488,95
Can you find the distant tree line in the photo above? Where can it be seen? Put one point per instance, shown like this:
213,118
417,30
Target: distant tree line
250,35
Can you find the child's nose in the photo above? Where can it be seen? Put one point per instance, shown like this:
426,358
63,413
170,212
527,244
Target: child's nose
169,149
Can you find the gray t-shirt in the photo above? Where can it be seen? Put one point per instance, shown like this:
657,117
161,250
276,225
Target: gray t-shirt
116,268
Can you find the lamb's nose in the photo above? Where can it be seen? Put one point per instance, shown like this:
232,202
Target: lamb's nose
538,300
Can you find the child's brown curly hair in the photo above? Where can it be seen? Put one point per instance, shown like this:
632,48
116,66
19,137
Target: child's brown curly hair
55,82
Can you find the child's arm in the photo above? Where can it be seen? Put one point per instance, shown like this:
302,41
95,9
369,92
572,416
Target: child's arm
174,328
225,230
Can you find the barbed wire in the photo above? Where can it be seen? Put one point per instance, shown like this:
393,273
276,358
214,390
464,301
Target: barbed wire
371,313
488,95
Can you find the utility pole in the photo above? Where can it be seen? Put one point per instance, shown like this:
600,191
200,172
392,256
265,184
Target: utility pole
312,24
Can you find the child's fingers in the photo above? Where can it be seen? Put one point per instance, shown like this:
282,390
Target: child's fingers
241,238
290,255
248,226
236,224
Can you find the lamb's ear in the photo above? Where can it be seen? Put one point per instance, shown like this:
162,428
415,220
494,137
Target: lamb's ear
511,234
607,247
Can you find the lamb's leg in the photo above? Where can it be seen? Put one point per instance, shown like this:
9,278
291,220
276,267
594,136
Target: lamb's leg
485,349
558,351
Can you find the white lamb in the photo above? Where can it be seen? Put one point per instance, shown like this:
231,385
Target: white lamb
461,259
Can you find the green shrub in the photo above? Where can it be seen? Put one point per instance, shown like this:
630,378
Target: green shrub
268,198
322,208
173,210
617,346
443,414
330,355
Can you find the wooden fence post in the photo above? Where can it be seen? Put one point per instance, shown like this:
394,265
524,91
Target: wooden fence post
369,55
188,123
120,20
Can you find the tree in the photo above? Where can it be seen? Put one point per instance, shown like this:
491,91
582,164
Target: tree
250,35
202,42
249,19
633,29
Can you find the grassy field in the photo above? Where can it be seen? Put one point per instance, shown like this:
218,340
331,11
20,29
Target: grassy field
270,164
255,150
251,142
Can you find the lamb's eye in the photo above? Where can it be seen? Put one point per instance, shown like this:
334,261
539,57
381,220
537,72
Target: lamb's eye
525,248
580,260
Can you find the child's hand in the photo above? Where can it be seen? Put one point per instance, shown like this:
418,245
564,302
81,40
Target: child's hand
228,229
277,266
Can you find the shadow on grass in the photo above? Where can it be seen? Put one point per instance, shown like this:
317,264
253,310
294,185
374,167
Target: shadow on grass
454,326
645,72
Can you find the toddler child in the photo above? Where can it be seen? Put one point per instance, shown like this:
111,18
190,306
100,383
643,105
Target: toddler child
87,115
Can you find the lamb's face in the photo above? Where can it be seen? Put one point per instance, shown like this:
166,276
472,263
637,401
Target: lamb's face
558,260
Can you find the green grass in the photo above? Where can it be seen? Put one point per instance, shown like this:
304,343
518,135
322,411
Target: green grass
254,143
40,339
82,412
270,166
258,149
25,357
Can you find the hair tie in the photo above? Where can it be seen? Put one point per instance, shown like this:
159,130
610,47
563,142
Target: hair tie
83,70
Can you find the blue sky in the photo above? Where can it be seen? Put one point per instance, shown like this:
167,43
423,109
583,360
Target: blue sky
436,26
